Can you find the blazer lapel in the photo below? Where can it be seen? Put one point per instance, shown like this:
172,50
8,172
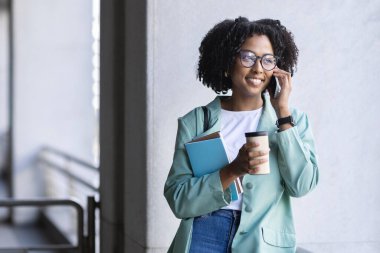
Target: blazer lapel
214,108
268,118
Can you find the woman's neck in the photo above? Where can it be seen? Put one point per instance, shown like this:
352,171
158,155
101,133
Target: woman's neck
235,103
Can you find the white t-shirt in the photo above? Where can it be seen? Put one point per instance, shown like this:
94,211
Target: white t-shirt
234,125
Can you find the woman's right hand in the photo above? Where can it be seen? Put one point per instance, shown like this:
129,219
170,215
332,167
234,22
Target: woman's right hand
246,162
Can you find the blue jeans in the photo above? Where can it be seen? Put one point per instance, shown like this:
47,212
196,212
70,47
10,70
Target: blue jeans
214,232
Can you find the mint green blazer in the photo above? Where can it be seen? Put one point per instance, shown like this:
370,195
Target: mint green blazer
266,224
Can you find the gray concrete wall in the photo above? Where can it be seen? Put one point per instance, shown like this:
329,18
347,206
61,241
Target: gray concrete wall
123,123
52,84
336,83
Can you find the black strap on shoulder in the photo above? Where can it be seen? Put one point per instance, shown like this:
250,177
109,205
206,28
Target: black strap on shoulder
205,121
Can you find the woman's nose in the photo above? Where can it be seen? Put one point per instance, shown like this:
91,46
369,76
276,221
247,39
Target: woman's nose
257,68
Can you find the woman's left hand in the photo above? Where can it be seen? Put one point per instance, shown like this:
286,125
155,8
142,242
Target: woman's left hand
281,103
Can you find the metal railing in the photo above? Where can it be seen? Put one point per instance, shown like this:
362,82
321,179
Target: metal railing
49,202
64,170
85,238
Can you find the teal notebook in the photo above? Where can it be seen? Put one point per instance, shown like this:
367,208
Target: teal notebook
208,156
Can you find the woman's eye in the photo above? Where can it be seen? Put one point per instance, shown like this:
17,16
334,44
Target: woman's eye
248,58
268,61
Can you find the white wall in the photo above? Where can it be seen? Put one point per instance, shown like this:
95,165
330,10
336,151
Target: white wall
3,70
4,85
336,84
52,84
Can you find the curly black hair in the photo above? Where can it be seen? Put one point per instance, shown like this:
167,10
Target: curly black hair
221,44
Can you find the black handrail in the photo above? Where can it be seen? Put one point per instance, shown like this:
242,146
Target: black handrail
91,207
40,202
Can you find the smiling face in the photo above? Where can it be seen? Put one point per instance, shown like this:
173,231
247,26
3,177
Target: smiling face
251,82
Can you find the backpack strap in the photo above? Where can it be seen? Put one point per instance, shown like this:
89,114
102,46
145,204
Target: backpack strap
206,120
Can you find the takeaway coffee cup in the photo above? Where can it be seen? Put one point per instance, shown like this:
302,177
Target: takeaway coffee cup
262,139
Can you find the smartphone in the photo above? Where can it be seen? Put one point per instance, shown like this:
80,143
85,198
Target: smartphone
274,88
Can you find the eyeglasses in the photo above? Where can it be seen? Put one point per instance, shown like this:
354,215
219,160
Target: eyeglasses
248,59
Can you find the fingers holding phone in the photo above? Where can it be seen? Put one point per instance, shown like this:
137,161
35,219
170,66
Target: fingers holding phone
279,88
284,79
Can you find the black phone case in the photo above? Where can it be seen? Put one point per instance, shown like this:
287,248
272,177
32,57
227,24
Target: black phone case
272,86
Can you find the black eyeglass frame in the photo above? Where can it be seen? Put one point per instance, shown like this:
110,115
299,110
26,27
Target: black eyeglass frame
256,58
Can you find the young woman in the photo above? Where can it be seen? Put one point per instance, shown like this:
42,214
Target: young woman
246,57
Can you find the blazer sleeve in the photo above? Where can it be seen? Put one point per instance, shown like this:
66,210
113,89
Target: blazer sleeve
189,196
297,157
